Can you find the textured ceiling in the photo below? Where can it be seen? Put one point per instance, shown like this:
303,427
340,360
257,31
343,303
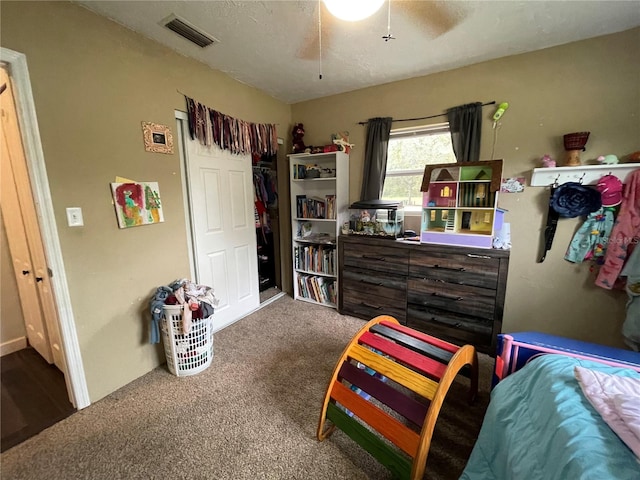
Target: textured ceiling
273,45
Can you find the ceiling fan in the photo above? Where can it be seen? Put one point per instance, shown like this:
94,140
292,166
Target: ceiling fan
434,18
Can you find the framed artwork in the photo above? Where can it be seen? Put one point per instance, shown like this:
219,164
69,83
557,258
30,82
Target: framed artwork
157,138
137,203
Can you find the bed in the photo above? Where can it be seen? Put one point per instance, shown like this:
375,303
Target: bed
539,424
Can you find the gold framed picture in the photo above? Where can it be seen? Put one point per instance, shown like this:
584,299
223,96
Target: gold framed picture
157,138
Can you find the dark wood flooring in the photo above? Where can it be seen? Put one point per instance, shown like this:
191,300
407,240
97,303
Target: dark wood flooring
34,396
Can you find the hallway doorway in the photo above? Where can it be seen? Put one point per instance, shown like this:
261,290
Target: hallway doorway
46,274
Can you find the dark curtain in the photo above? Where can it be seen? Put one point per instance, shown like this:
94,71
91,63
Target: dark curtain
375,157
465,123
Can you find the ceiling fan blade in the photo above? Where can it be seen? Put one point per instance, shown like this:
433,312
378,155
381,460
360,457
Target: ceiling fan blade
436,17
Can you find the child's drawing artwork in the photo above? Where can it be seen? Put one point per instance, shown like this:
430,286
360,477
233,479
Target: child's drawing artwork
137,203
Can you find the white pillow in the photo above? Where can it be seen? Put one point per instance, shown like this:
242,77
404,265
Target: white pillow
617,400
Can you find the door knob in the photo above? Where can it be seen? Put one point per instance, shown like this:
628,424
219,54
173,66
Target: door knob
25,272
38,279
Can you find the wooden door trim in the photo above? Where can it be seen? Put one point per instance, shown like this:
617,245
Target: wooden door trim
181,122
76,380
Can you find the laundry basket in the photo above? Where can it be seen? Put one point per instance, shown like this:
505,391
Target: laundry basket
190,353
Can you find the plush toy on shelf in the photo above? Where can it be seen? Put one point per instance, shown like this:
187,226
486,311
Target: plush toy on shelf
298,142
607,159
547,161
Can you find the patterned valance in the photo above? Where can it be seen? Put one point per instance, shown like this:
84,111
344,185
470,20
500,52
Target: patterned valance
211,127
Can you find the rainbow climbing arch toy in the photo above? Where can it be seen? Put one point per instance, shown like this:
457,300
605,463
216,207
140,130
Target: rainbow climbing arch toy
421,369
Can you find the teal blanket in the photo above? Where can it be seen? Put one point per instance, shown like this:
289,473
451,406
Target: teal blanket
539,426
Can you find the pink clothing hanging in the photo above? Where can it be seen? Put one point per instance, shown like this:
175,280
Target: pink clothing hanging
625,233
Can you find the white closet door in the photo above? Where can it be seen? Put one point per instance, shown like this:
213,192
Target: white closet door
222,215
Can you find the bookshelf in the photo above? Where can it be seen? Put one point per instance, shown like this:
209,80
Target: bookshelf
319,186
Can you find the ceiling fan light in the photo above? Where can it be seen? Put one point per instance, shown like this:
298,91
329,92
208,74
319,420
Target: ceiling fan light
353,10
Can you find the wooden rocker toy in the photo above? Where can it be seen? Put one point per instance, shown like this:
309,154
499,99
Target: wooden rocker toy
388,364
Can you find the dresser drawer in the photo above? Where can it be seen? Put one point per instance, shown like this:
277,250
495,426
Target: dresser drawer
378,258
362,305
468,300
373,283
457,328
463,269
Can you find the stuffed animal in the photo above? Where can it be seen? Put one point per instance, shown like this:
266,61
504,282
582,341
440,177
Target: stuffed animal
548,162
298,134
341,139
607,159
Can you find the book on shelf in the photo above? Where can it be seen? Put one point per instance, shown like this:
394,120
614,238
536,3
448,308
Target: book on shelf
330,205
310,207
300,202
327,290
299,171
318,289
317,258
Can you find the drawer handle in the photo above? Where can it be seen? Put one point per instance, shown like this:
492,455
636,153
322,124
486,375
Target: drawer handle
460,269
448,297
370,306
369,257
477,256
456,325
369,282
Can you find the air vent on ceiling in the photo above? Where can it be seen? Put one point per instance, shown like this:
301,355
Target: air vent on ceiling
188,31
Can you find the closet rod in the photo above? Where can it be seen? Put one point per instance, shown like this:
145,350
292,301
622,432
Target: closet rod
424,118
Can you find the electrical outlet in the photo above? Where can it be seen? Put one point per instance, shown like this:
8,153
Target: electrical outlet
74,217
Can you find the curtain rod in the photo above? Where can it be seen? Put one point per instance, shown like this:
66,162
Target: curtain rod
185,95
424,118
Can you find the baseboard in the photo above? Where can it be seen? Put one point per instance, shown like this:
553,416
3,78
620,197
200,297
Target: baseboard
14,345
272,299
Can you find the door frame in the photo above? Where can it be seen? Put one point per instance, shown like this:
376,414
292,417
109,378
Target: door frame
27,119
181,119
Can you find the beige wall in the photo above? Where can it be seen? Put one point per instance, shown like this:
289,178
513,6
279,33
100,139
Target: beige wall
94,82
590,85
11,320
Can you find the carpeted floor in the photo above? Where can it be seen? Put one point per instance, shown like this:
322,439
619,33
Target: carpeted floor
252,415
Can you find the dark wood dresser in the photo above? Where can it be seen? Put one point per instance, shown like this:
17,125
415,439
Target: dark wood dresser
454,293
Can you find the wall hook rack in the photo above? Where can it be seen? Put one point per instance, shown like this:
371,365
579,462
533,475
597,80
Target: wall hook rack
584,174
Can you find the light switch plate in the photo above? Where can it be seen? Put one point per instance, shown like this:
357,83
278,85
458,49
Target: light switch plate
74,217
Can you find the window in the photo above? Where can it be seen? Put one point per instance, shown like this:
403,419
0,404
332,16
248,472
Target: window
410,149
